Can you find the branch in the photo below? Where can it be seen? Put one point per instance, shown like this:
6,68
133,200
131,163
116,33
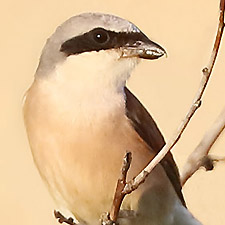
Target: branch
124,188
140,178
111,218
199,157
119,195
62,219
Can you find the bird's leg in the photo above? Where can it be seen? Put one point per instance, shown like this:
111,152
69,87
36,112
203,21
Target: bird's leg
106,220
63,219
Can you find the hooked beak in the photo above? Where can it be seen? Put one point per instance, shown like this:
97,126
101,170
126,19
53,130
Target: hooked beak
143,48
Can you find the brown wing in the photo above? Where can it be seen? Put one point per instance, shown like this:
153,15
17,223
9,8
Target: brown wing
147,129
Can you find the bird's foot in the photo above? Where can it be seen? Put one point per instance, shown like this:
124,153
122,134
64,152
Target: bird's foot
105,219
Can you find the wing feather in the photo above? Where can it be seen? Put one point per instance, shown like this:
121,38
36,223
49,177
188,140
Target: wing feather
147,129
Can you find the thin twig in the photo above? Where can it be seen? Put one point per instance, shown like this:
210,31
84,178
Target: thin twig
62,219
124,188
199,157
208,161
140,178
119,196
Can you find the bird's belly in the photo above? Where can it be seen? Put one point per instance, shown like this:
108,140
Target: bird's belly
80,160
81,167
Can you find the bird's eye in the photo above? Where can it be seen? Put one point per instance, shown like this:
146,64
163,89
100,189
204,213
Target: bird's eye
100,36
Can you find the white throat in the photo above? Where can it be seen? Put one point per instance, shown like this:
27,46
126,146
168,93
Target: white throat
96,71
92,83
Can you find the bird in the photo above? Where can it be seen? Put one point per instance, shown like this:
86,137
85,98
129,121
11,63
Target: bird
81,119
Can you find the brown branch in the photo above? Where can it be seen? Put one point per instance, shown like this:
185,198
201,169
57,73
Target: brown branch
124,188
119,195
209,161
63,219
140,178
111,218
194,161
199,157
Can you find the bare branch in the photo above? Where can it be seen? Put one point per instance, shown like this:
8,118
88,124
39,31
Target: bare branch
119,195
199,157
209,161
216,158
140,178
63,219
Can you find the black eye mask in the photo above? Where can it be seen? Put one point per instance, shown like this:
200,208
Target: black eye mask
101,39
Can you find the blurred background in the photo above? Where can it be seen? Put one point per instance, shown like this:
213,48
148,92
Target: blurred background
186,29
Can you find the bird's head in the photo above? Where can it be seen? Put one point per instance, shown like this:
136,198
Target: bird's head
95,46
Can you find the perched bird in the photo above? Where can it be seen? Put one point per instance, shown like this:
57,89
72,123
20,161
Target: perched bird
81,119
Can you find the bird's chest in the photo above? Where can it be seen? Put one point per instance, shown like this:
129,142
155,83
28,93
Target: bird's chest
78,145
62,118
78,148
85,139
